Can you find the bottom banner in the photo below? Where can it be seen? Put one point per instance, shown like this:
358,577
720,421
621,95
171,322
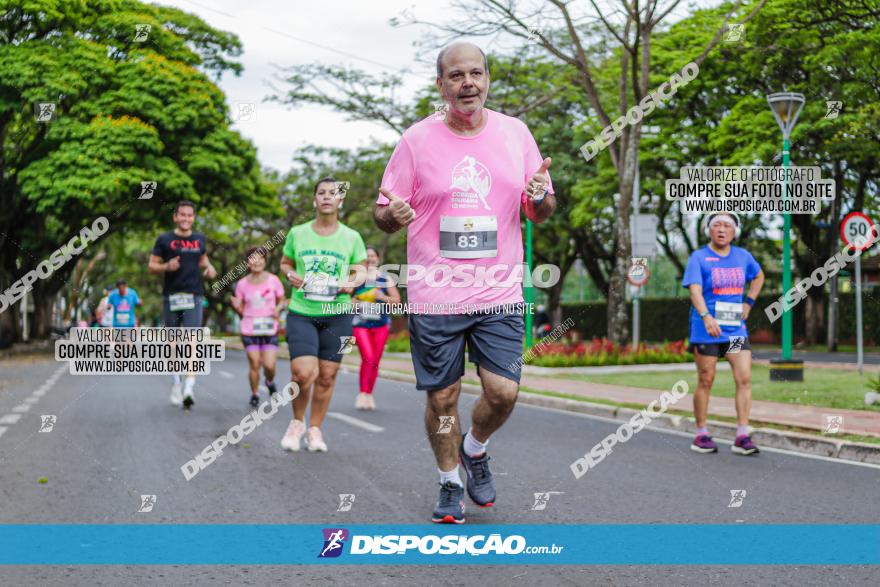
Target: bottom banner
615,544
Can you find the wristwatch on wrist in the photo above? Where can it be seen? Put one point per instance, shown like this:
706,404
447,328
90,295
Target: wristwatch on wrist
704,314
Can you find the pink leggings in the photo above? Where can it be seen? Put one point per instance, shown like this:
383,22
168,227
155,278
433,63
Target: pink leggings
371,344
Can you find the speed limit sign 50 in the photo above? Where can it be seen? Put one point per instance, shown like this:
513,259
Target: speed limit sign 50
856,230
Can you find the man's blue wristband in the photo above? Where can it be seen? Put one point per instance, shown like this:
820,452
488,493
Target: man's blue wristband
750,301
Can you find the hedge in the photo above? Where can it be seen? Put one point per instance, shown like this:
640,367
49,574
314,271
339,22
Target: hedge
667,319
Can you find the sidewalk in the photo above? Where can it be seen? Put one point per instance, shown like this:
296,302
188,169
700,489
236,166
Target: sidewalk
810,417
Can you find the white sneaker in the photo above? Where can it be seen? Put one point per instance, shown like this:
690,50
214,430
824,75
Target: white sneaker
370,402
360,402
295,431
177,395
316,440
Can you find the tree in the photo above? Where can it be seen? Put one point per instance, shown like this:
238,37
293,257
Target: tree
126,112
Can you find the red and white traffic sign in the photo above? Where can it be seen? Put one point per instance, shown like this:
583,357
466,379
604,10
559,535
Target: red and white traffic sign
856,230
638,273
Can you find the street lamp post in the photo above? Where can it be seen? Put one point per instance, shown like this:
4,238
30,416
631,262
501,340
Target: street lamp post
786,106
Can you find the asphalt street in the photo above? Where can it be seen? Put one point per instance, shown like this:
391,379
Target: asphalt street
116,438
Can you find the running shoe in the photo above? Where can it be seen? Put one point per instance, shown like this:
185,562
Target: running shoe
255,400
316,440
480,485
188,399
294,434
360,402
450,506
370,402
743,445
272,389
703,443
177,395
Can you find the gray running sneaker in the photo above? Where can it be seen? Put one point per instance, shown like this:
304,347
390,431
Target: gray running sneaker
450,506
480,485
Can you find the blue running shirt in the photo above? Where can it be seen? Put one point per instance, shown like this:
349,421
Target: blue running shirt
724,280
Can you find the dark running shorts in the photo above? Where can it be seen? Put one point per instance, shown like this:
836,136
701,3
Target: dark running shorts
258,343
494,343
191,318
717,349
318,336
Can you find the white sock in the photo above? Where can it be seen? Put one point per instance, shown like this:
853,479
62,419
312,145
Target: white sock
175,378
188,386
472,446
450,476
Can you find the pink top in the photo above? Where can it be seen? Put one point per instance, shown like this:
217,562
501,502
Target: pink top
479,181
260,300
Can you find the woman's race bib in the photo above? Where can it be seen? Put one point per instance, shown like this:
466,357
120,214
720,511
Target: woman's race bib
264,326
320,287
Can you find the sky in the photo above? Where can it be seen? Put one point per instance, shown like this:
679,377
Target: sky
276,33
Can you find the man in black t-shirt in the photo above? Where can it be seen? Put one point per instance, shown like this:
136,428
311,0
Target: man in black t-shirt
178,255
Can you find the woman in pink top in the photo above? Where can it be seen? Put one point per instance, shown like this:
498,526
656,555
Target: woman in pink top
259,299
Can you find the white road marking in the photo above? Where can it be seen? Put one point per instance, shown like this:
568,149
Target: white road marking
32,400
226,374
355,422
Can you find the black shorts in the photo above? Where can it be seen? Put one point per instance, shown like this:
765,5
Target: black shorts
717,349
494,343
324,337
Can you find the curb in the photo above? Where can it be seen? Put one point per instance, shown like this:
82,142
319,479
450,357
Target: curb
794,441
769,437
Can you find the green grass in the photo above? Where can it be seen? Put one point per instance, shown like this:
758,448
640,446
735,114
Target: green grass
818,348
830,388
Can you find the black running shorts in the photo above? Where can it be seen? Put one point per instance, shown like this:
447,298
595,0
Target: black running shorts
717,349
318,336
437,342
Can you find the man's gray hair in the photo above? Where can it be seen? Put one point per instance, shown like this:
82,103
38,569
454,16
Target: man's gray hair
443,53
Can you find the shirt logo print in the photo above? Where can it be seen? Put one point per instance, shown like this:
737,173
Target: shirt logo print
728,280
471,182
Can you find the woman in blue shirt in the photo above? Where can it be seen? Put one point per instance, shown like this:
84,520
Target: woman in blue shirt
716,276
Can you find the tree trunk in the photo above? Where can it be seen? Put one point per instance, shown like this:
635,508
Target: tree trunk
618,323
41,320
815,315
9,326
554,308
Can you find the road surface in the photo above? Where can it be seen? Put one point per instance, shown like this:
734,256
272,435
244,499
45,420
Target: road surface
116,438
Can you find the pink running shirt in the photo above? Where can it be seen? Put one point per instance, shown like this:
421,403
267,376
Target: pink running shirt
259,301
471,180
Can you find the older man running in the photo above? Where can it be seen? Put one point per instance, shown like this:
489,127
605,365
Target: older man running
458,182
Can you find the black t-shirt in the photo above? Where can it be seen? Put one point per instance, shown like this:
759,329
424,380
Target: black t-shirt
188,278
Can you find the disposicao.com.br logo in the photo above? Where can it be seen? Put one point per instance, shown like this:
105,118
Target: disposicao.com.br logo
431,544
